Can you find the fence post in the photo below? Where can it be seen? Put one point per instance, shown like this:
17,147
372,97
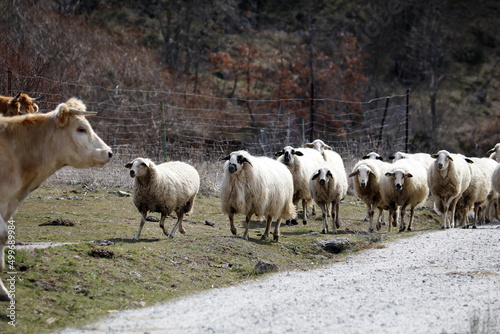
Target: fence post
9,82
312,112
383,122
407,146
163,132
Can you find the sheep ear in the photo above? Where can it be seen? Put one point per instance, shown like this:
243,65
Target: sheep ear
246,160
225,158
279,154
408,175
329,174
129,165
300,154
380,158
356,172
315,176
450,158
372,173
391,157
366,157
434,156
328,148
469,160
309,145
389,174
490,151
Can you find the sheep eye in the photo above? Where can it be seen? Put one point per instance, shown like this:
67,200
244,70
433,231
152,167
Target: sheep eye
81,130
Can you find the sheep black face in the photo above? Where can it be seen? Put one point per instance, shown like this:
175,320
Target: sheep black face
236,162
323,174
288,153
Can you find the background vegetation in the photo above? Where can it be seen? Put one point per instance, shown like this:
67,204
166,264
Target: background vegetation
242,64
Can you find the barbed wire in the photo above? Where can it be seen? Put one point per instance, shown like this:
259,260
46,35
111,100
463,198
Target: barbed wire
200,126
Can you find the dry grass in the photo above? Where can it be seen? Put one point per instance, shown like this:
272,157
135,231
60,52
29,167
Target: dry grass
71,285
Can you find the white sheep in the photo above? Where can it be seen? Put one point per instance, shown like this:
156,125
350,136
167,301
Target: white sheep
373,155
405,183
424,158
163,188
475,197
328,186
448,177
256,185
302,163
494,153
367,176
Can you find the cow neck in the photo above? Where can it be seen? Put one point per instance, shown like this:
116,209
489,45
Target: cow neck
38,160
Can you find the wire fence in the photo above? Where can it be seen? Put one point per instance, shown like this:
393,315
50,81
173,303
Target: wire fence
202,127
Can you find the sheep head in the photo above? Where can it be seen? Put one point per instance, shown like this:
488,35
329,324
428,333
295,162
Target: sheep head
322,174
399,176
363,172
139,167
236,161
288,152
443,159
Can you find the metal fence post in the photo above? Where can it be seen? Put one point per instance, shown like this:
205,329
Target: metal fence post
163,132
407,146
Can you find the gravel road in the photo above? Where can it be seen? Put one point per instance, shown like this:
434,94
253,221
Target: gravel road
435,282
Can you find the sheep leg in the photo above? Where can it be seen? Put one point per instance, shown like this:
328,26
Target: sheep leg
313,210
412,212
231,223
143,221
379,224
277,230
335,217
453,208
162,224
304,207
323,210
402,213
391,212
247,225
268,227
370,215
180,216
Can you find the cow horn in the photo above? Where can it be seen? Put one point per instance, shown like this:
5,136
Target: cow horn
16,98
84,113
38,98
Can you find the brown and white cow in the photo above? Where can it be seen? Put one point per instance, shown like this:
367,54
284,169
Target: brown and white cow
33,147
21,104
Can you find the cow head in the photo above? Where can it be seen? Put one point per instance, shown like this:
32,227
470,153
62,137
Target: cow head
79,145
24,104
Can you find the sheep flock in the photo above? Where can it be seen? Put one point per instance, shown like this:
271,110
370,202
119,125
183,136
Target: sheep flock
464,190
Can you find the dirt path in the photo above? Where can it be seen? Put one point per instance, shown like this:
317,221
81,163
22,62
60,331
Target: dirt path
435,282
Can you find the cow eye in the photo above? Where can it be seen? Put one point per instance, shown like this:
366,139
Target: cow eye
82,130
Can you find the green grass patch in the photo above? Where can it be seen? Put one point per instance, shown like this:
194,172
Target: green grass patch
81,281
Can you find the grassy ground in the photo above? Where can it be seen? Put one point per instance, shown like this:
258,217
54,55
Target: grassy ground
68,285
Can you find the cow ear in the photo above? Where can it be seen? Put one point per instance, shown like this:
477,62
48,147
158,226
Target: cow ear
63,114
315,176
